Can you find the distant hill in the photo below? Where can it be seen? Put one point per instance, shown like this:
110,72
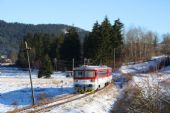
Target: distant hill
11,34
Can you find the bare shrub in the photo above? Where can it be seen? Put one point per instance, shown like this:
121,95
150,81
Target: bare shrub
122,104
128,76
42,97
138,100
55,82
15,104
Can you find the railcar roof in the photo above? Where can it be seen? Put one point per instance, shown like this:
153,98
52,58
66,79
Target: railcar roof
90,67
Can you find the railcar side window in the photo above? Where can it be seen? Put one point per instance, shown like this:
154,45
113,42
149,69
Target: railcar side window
102,73
89,73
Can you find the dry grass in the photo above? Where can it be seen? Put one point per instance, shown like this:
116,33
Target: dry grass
136,100
55,82
128,76
15,104
41,98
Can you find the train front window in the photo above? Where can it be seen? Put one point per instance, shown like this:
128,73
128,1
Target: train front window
78,74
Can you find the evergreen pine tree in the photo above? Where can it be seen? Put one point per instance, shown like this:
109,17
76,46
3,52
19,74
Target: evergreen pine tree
22,56
117,37
117,33
92,42
71,46
103,55
46,68
100,43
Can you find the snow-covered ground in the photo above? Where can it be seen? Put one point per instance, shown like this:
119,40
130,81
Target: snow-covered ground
152,79
166,70
15,92
143,66
15,72
15,89
143,78
97,103
136,70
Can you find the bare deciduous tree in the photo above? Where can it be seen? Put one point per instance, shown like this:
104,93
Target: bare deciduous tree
139,44
166,44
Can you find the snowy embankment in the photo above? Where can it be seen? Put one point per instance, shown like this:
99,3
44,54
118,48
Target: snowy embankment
165,70
142,67
149,83
141,74
136,70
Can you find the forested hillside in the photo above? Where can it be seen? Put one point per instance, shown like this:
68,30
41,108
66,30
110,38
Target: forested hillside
50,52
11,34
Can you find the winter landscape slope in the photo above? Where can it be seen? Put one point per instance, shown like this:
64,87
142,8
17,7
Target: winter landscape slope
15,89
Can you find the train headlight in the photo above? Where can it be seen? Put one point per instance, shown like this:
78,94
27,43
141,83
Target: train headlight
90,85
76,85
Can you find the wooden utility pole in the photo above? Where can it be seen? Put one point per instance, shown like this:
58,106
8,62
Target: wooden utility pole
55,63
84,61
72,74
88,61
27,50
73,65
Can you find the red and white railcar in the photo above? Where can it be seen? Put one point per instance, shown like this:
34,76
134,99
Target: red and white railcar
90,78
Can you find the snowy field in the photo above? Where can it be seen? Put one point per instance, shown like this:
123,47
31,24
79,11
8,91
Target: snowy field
15,88
15,92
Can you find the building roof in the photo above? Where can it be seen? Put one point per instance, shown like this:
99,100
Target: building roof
90,67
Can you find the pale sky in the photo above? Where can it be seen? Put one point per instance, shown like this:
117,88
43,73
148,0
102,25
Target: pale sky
153,15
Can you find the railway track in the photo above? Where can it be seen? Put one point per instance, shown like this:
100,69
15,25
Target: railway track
59,101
